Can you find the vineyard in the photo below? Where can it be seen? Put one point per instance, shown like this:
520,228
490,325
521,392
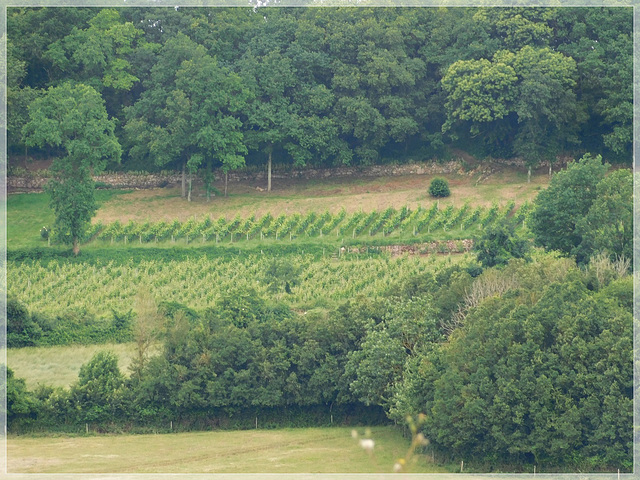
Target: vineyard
108,284
60,288
396,223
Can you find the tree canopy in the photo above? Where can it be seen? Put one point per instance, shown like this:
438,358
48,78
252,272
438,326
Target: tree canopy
557,220
333,86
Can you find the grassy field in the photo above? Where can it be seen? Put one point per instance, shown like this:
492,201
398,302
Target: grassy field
366,193
27,213
308,450
59,366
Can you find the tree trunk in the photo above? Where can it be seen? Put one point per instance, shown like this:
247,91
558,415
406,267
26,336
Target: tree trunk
550,171
76,247
190,180
529,174
208,179
226,180
269,173
184,180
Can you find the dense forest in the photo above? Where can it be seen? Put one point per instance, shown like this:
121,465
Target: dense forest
203,88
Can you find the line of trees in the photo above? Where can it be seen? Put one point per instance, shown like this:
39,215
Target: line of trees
199,88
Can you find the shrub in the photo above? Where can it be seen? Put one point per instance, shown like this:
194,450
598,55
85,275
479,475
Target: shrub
99,391
22,330
439,188
21,405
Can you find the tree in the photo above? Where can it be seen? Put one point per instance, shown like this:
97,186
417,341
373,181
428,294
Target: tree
523,101
600,40
498,244
217,98
190,113
546,105
97,55
146,329
19,97
409,326
608,225
530,380
559,209
439,187
99,391
21,404
270,116
73,118
157,125
22,329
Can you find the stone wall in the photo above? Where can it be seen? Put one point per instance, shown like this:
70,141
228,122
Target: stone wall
37,180
113,180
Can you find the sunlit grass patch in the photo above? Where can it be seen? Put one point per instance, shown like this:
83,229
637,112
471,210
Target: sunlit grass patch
303,450
59,366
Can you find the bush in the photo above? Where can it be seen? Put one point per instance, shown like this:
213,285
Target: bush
22,330
21,405
439,188
498,244
98,394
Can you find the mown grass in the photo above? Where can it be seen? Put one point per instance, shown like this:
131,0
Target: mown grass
59,366
304,450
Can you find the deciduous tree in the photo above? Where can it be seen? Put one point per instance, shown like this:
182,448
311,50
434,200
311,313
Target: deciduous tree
73,117
560,208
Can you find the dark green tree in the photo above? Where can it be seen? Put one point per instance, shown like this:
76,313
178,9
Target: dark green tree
560,208
22,330
524,100
21,403
157,130
99,391
271,116
608,225
408,327
97,56
439,188
531,380
217,98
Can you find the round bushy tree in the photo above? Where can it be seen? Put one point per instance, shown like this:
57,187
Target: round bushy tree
560,209
439,188
22,330
99,390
